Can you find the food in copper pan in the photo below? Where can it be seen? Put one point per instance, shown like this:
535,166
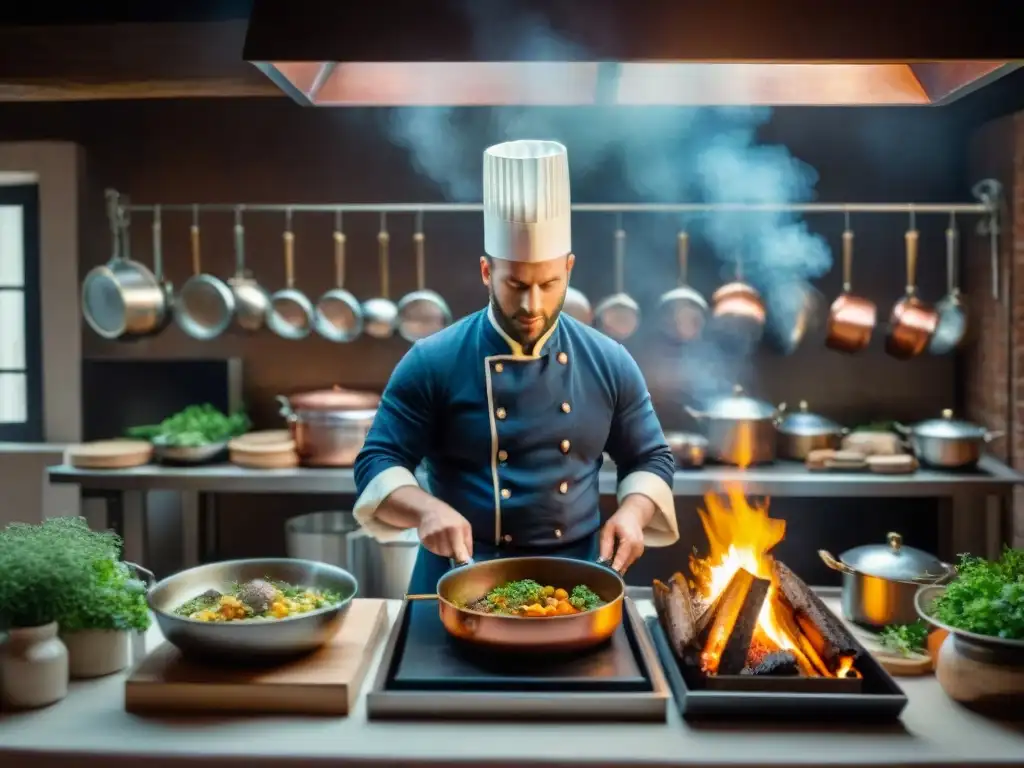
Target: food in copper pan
530,599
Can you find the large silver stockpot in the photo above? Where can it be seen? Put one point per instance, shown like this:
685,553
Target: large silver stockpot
948,443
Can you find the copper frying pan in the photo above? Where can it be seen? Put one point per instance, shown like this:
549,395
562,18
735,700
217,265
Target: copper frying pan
467,583
852,319
912,323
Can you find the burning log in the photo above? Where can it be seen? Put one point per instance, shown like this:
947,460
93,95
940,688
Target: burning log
829,638
674,605
735,620
777,664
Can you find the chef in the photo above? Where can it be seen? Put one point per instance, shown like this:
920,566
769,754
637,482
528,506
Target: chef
511,408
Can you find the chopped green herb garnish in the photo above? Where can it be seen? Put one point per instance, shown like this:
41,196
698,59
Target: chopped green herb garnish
905,639
583,598
987,596
516,594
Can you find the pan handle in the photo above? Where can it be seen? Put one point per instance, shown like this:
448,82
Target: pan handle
453,563
422,597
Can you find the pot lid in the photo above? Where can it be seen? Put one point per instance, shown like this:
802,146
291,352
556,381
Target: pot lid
803,422
740,406
334,399
894,561
948,427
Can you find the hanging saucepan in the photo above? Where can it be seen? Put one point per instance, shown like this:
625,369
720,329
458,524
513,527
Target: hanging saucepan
801,432
252,302
952,318
381,314
470,582
740,429
577,305
806,318
205,305
122,297
852,319
912,323
339,317
618,315
946,442
158,273
423,311
291,312
682,311
880,580
738,310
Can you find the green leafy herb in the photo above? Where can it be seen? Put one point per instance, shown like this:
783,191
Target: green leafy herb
194,426
905,639
987,597
583,598
516,594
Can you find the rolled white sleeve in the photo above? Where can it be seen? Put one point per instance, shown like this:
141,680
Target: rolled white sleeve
382,486
663,530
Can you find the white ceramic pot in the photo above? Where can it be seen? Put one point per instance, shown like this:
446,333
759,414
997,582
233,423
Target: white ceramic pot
97,652
33,667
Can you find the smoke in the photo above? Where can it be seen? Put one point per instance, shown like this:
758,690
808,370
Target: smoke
709,154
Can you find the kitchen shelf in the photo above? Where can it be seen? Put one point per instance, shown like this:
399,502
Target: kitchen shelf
781,479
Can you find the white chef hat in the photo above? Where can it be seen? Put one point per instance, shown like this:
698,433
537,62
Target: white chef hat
527,214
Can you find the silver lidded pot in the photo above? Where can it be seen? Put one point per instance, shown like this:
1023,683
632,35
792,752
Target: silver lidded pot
947,442
880,580
740,429
329,426
801,432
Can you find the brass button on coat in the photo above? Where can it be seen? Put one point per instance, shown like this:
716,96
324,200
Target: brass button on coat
565,445
506,493
558,533
502,455
507,538
566,408
499,367
500,413
562,358
563,487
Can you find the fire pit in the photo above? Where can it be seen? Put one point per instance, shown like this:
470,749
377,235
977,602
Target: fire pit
743,634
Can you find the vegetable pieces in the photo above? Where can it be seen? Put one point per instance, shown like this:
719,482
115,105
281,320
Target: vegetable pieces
529,598
194,426
987,597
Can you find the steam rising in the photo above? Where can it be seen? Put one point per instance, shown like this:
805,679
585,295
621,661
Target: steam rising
706,154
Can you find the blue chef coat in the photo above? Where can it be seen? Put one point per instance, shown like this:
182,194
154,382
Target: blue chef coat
515,442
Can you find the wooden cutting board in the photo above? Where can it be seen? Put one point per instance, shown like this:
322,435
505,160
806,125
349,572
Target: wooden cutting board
326,682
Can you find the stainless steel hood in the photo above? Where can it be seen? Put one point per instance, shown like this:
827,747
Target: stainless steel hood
628,52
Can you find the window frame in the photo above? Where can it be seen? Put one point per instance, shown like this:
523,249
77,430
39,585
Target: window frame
26,197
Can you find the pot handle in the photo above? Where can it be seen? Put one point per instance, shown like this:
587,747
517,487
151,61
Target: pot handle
286,407
148,576
902,429
422,597
453,563
698,415
990,436
949,573
835,565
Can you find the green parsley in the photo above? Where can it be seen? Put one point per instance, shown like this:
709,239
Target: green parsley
987,596
905,639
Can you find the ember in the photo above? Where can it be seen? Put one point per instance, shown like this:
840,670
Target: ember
744,616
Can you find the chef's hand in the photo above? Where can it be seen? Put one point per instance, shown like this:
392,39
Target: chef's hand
445,532
622,538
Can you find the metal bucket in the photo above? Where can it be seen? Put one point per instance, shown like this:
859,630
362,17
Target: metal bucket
384,570
321,537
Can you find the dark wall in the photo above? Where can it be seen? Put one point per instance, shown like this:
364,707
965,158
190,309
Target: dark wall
274,151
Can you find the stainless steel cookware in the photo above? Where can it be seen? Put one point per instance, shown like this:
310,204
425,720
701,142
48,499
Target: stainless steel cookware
252,302
329,426
618,315
952,318
577,305
291,311
689,448
947,442
682,310
740,429
339,316
122,297
241,641
880,580
205,305
380,314
801,432
423,311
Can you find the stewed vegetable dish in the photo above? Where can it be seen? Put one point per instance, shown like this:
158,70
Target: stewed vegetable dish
531,599
257,599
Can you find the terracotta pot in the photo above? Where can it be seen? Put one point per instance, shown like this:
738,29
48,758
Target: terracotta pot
97,652
33,667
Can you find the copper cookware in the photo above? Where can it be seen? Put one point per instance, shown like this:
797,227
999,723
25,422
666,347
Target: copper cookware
852,319
467,583
737,307
329,426
912,323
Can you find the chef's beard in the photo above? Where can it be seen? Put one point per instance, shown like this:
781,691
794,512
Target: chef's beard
511,327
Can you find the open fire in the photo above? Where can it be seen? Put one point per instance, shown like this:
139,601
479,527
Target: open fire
745,620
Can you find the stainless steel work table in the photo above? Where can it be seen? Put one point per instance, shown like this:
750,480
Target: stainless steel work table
91,729
972,503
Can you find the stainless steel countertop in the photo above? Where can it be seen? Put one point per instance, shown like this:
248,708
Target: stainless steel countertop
781,479
91,729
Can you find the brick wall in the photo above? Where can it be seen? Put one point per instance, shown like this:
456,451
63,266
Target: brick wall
993,364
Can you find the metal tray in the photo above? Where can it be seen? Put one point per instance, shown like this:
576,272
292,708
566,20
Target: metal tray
425,674
880,699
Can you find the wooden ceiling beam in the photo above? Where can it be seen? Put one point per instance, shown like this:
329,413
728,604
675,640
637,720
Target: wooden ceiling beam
128,61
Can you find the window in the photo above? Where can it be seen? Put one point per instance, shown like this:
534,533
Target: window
21,407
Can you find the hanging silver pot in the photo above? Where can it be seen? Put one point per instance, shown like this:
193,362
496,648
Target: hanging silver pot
252,302
682,311
740,429
422,312
380,314
339,316
291,312
205,305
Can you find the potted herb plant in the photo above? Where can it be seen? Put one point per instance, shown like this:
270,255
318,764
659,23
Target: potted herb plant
981,661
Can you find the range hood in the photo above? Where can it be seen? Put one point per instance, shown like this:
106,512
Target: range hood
625,52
